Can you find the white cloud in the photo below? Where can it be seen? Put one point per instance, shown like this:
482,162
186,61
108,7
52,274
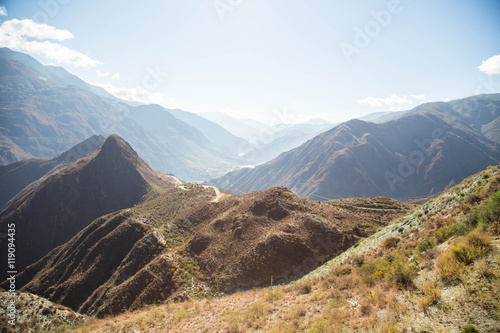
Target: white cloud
115,76
133,94
101,74
393,102
28,28
420,97
19,34
491,65
3,11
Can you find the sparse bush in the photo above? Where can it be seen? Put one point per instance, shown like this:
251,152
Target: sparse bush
472,199
391,268
342,270
469,329
304,288
273,295
390,328
485,174
322,325
402,273
179,315
425,245
482,268
372,271
46,311
391,242
464,251
358,260
448,266
365,309
475,245
432,294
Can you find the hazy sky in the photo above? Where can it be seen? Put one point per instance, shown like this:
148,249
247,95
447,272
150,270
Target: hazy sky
335,59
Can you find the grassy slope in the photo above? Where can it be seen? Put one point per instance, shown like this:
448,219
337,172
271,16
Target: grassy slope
436,269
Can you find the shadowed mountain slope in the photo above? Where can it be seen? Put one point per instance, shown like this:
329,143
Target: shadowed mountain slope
16,176
66,201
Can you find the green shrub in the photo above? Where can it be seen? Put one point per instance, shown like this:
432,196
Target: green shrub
463,252
475,245
391,268
401,273
425,245
391,242
469,329
449,267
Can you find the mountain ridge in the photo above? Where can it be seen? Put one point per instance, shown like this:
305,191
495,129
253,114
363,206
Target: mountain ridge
403,158
62,203
44,114
17,176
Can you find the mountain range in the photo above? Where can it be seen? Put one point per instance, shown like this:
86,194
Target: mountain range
108,233
419,154
100,232
45,110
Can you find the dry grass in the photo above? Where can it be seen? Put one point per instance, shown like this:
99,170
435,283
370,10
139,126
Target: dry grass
432,293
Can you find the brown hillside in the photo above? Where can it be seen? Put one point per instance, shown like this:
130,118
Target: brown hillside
436,269
16,176
64,202
191,242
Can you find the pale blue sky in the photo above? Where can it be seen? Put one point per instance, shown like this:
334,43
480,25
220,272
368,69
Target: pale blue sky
250,57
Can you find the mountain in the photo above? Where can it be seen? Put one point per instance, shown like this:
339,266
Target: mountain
55,73
242,127
44,111
273,141
480,112
382,117
64,202
16,176
217,135
434,269
263,143
414,156
198,156
425,272
197,240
